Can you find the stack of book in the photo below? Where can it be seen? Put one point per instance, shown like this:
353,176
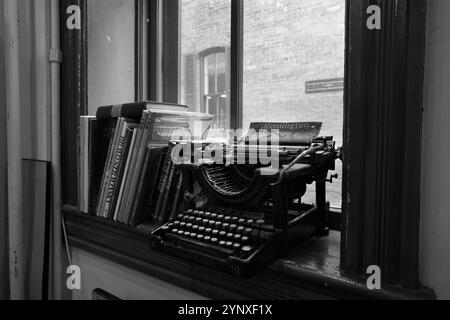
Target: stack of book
139,180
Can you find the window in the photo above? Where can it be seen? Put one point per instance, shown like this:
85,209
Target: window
215,89
292,64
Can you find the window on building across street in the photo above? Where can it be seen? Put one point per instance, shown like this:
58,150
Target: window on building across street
215,88
293,64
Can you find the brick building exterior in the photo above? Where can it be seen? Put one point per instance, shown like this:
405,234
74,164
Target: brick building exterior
287,43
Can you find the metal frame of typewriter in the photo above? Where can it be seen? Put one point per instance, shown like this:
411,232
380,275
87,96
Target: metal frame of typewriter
290,223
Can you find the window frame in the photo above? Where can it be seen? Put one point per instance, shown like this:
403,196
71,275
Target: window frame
403,21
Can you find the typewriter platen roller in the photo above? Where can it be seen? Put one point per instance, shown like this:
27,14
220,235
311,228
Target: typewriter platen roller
254,213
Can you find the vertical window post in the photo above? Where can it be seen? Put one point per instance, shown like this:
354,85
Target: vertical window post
237,48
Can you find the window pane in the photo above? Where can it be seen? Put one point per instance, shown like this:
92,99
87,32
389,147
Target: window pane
205,28
294,66
111,52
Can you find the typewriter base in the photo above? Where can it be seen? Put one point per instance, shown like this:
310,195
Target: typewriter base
301,229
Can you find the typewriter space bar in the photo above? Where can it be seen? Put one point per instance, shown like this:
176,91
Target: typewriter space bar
196,246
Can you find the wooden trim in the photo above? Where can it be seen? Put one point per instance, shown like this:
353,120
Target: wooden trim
382,140
237,49
73,96
171,51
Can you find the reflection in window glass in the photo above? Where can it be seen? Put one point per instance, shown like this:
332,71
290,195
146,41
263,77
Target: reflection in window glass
294,66
205,57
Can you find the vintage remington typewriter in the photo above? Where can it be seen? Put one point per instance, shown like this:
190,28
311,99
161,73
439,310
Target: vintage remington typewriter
240,214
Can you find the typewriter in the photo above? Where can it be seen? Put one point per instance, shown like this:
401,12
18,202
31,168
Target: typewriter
241,214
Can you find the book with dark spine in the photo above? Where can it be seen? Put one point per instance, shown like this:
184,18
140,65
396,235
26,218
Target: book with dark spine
148,179
137,171
127,181
125,174
177,196
166,176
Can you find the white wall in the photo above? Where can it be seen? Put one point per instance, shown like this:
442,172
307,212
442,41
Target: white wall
111,29
435,213
124,283
3,173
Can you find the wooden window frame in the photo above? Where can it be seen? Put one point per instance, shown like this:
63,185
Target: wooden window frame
382,131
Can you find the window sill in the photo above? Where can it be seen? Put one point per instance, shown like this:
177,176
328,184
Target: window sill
310,272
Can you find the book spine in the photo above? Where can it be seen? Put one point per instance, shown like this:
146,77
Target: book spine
125,174
106,139
177,196
135,216
115,168
126,193
153,189
109,166
137,172
93,147
121,170
165,177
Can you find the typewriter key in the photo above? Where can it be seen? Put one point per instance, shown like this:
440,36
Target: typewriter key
237,237
182,225
187,234
245,239
247,248
196,212
235,219
233,228
201,229
189,226
165,228
230,236
207,215
198,220
225,226
190,211
208,230
194,235
175,231
215,233
207,239
227,219
236,246
222,243
240,229
220,217
222,234
218,225
205,222
212,224
195,228
200,237
191,219
214,241
180,216
250,222
176,223
180,232
201,214
248,231
229,244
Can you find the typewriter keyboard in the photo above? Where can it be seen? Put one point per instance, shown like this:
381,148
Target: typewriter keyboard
230,241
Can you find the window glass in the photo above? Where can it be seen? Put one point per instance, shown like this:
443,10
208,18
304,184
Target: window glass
205,60
111,52
294,66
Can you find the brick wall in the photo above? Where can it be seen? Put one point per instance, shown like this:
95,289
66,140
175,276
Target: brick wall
286,43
